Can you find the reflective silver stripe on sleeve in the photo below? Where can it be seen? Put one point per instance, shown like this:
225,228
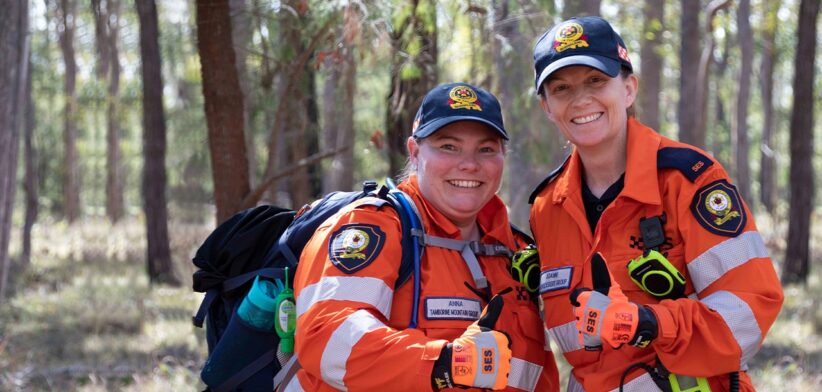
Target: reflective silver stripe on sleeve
725,256
294,385
524,375
566,336
546,338
371,291
740,319
643,383
342,341
573,384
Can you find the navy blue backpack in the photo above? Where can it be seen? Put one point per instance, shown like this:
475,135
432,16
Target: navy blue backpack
262,241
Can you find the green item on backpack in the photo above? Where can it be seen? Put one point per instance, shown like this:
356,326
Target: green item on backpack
286,318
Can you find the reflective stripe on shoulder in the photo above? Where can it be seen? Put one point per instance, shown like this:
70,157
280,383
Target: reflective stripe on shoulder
523,375
725,256
294,385
342,342
566,336
367,290
643,383
740,319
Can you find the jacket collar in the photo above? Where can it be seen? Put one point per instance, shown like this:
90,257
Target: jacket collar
641,182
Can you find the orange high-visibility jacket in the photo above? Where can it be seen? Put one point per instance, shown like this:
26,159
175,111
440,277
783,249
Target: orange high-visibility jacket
352,326
710,237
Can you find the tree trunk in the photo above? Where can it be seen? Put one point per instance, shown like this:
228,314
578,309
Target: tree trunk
739,132
510,81
158,254
767,182
241,32
689,105
651,62
71,171
339,104
580,8
413,73
797,255
106,19
223,107
704,75
721,124
30,177
13,75
295,132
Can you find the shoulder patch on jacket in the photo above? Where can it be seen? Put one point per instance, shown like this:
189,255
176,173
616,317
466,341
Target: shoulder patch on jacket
691,163
547,180
354,246
718,208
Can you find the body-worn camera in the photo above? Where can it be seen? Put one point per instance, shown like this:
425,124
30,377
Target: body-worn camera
656,275
525,268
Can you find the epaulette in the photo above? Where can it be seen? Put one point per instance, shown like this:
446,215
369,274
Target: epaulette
690,162
547,180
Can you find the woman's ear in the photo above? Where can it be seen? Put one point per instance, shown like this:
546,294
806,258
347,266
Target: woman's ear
631,88
413,148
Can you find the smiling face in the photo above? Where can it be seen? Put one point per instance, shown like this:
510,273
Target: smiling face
459,168
588,106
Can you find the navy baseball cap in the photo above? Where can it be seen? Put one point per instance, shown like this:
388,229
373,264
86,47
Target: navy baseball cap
451,102
587,40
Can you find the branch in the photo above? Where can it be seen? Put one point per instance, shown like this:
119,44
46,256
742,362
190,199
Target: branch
254,196
290,79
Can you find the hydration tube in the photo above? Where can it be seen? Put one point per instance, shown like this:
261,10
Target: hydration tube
415,224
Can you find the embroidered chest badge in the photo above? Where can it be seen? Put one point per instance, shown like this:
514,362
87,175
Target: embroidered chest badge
570,37
718,208
354,246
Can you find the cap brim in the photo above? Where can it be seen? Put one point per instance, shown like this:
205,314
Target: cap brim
609,66
436,125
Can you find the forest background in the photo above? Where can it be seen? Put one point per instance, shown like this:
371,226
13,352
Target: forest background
129,129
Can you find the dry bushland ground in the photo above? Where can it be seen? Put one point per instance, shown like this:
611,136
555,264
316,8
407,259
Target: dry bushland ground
83,317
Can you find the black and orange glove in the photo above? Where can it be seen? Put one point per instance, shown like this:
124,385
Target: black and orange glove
605,314
480,358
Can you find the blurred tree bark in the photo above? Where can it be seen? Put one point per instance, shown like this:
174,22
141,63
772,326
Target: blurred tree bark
31,174
689,105
797,254
241,32
296,122
106,21
512,58
580,8
158,254
339,104
721,124
223,107
651,62
71,172
767,183
413,72
704,75
739,132
13,75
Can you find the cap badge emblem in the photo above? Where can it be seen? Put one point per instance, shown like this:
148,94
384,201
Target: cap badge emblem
569,36
463,97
